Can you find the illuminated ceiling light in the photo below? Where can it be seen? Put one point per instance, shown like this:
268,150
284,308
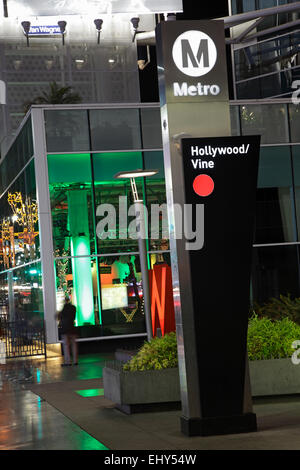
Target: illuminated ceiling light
79,63
135,23
48,64
135,173
17,64
26,28
62,26
98,23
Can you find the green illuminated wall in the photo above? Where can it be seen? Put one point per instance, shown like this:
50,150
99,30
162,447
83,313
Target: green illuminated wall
78,226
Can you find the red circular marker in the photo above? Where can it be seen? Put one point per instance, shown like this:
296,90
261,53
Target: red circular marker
203,185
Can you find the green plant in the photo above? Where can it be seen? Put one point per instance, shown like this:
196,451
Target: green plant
271,339
158,353
55,95
277,308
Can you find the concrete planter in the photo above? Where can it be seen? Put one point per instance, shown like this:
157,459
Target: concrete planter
274,377
136,391
139,391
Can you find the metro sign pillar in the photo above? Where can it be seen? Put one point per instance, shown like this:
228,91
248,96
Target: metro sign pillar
211,329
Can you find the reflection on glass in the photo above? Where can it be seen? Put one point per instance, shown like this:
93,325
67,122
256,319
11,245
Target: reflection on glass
274,213
77,278
71,204
269,121
106,124
121,295
27,292
296,169
156,202
114,237
19,222
67,130
294,112
275,271
151,128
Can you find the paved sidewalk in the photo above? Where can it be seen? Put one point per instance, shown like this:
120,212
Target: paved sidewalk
67,411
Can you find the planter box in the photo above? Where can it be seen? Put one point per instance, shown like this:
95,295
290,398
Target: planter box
159,389
274,377
141,390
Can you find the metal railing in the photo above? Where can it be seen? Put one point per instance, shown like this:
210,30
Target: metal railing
22,339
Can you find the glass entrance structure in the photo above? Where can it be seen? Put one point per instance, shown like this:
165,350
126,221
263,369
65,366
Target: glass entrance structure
57,179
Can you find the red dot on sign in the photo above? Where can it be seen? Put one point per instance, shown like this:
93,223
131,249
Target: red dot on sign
203,185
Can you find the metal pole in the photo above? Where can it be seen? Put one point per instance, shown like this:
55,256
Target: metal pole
142,232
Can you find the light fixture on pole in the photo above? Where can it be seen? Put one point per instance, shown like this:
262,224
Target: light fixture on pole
62,26
98,23
26,28
135,23
142,232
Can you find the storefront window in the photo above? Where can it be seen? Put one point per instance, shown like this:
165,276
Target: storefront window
274,199
114,200
19,222
122,308
296,169
70,184
156,202
27,293
275,271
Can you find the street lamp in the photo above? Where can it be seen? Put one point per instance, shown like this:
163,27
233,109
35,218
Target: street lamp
140,217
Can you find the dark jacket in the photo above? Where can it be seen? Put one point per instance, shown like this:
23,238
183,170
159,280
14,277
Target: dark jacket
67,319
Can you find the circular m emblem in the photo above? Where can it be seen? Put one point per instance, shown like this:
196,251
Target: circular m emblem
194,53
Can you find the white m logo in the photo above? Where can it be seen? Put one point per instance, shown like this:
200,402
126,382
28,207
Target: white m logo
194,53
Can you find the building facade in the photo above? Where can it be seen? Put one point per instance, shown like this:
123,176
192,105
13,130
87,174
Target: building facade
55,184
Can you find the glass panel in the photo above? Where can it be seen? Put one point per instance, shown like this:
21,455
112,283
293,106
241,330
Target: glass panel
71,204
77,278
115,129
120,310
151,128
19,154
4,302
156,202
28,294
112,235
296,168
270,121
19,222
67,131
274,213
294,112
235,120
275,272
121,295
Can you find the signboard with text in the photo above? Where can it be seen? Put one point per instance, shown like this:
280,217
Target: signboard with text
210,186
220,173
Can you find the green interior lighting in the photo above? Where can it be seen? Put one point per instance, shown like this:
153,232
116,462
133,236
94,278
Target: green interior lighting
80,251
92,392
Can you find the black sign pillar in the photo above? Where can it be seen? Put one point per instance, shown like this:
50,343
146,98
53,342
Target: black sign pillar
210,185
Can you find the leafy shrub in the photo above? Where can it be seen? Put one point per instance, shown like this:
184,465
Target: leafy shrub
268,339
158,353
283,307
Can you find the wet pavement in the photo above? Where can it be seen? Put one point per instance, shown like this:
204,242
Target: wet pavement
27,422
74,414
